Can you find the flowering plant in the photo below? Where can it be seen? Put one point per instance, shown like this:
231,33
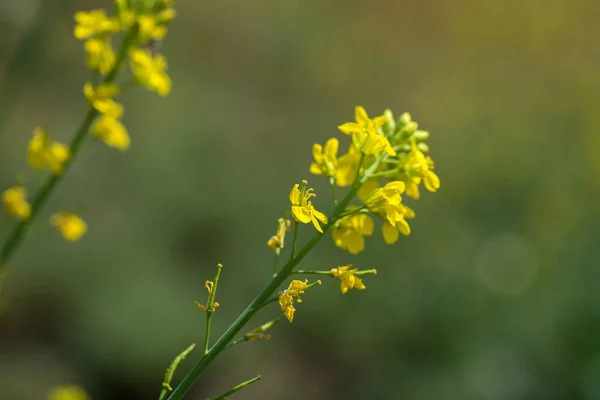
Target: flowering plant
385,160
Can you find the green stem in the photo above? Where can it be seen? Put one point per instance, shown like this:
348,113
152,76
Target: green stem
18,233
166,385
257,303
333,194
358,273
209,306
236,388
294,239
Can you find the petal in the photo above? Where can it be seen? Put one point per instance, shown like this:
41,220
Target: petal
331,147
318,152
316,223
295,195
403,226
367,226
355,243
350,127
390,233
315,169
367,188
432,181
358,283
360,115
320,216
301,214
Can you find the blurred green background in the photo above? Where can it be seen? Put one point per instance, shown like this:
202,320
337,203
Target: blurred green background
495,294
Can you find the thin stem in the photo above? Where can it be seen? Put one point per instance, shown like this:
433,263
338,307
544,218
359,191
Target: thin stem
301,272
261,298
276,262
166,385
254,334
333,194
18,233
210,306
236,388
353,211
294,239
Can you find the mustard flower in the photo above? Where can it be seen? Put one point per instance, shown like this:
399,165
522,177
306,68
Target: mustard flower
349,280
112,132
15,202
347,167
100,54
94,23
325,158
390,232
276,241
101,98
386,201
70,225
68,392
291,294
417,167
365,133
302,208
349,232
44,153
150,71
150,28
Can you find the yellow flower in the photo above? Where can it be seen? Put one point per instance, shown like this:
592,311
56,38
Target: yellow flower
69,225
386,200
99,54
349,232
286,299
150,71
43,152
347,167
302,208
15,202
365,133
276,242
93,23
112,132
349,280
417,167
101,98
68,392
150,29
325,160
390,232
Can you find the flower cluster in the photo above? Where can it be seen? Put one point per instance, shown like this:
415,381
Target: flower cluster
276,241
381,149
141,26
291,295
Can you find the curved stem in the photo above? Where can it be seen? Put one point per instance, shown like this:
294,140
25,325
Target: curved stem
18,233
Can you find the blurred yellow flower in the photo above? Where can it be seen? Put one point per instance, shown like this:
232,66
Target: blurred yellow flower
150,71
70,225
99,54
93,23
347,167
417,167
68,392
390,232
365,133
286,299
302,208
101,98
385,200
325,159
349,232
15,202
276,241
150,29
112,132
43,152
349,280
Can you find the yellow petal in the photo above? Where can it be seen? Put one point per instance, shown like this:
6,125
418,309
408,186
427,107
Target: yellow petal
432,181
320,216
358,283
360,115
316,223
331,147
367,188
315,169
295,195
350,127
301,214
390,233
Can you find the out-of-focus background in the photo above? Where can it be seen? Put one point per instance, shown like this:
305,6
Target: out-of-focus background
494,296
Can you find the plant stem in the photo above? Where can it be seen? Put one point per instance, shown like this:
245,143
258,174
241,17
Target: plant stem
294,239
166,385
209,306
333,194
18,233
257,303
236,388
